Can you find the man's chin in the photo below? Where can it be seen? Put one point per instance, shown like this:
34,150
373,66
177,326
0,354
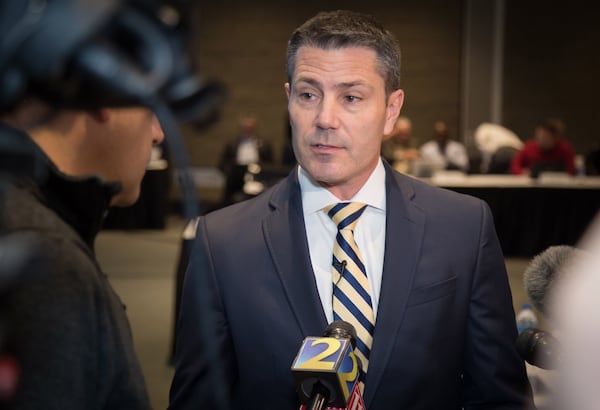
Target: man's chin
123,199
325,176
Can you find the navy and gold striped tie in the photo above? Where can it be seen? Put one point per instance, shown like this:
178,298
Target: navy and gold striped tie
351,296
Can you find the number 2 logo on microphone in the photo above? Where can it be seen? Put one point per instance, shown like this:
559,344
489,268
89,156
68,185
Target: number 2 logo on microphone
320,353
327,354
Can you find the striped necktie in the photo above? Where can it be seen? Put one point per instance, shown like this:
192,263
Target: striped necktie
351,296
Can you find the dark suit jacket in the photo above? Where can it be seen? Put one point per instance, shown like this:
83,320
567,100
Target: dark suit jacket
445,331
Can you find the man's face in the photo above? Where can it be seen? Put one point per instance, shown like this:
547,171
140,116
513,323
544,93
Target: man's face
440,131
128,139
402,132
339,114
545,139
248,127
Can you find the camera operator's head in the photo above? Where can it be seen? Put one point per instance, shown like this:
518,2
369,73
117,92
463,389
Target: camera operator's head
111,143
68,66
76,76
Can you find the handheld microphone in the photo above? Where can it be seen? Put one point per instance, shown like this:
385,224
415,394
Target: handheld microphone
326,371
538,348
543,271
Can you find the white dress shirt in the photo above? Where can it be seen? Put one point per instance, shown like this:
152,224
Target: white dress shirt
321,231
456,153
247,152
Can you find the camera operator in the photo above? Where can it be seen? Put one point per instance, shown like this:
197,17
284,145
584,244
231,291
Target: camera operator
69,329
66,327
76,80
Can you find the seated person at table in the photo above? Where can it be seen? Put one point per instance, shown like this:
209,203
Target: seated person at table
548,150
247,148
498,146
444,152
397,147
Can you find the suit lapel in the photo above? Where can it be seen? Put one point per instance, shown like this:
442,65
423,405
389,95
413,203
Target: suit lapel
285,236
404,232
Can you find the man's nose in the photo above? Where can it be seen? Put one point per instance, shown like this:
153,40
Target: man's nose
157,131
328,115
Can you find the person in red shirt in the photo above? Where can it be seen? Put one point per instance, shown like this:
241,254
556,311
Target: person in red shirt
548,150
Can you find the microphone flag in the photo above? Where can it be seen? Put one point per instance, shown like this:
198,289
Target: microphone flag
354,403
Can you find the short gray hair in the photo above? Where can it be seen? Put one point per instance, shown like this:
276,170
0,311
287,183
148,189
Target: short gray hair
343,28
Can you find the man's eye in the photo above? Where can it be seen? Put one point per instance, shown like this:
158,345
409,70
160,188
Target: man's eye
352,98
307,96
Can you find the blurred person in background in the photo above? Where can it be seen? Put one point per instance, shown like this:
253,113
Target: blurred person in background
498,146
247,148
547,151
398,147
445,153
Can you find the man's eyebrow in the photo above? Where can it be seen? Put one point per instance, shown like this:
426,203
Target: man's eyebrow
343,85
308,80
351,84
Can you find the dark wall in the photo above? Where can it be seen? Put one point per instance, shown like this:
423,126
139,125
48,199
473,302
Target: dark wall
551,64
552,68
243,44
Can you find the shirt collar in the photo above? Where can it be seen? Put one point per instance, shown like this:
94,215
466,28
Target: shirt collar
315,197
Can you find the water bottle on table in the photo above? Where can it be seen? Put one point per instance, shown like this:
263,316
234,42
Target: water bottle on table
526,318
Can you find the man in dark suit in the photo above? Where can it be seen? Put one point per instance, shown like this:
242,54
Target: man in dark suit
439,297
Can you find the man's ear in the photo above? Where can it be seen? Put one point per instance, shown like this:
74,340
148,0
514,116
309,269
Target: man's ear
287,90
101,114
394,106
